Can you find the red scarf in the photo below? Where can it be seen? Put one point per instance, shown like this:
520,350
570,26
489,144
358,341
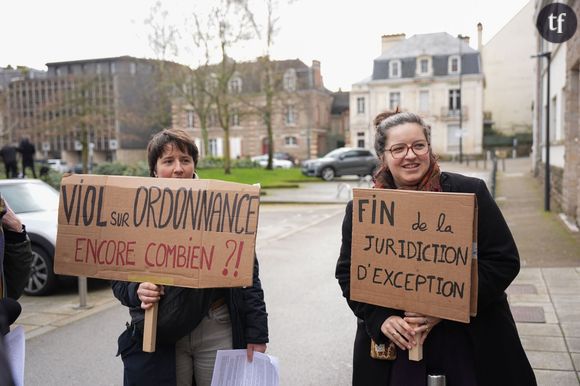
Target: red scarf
383,178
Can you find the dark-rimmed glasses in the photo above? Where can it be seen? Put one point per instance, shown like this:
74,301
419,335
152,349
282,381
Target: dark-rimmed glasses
400,150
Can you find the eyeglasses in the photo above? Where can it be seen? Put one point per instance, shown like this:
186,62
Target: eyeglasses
400,150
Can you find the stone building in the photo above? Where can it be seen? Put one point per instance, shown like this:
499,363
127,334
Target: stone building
118,101
301,113
435,75
571,169
509,74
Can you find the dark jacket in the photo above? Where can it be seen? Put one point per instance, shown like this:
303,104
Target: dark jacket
27,149
246,306
15,260
8,153
498,353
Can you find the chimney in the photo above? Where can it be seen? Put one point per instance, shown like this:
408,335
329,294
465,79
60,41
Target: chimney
388,41
465,38
479,36
317,77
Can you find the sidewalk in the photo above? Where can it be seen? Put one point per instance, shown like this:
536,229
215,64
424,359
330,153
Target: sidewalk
544,297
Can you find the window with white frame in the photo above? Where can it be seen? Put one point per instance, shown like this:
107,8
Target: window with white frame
360,142
290,141
360,105
454,64
289,81
395,69
290,115
234,117
454,101
190,118
423,66
213,144
394,99
424,100
212,118
235,85
453,134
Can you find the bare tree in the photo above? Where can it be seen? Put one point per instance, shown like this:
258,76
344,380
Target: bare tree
272,79
228,23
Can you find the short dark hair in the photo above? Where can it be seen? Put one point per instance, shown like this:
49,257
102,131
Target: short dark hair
385,120
177,137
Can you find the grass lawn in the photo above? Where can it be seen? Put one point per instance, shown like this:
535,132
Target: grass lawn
278,178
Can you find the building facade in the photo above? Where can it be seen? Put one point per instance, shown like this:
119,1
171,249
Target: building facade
435,75
571,173
509,74
300,119
552,106
114,103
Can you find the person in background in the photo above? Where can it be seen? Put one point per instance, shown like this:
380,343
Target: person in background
485,352
15,261
27,149
8,153
196,322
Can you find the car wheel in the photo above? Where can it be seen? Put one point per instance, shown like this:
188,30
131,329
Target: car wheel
42,278
327,174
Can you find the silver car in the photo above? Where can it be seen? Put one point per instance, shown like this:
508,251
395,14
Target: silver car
343,161
36,204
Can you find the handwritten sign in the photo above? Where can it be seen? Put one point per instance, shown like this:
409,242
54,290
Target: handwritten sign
182,232
415,251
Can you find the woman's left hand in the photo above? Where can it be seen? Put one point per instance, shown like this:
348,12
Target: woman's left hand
424,323
260,347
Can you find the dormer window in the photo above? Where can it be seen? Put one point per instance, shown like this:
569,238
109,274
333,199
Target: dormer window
424,67
395,69
235,85
290,80
454,64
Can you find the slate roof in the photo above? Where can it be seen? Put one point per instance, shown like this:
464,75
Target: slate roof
439,46
340,102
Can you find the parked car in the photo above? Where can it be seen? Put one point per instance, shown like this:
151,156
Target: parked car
341,162
36,204
58,164
262,160
286,156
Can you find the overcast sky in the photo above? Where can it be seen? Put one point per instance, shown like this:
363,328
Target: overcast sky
343,34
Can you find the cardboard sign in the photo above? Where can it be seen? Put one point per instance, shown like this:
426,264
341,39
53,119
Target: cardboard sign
415,251
181,232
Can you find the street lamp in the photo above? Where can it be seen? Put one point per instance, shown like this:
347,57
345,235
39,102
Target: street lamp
547,55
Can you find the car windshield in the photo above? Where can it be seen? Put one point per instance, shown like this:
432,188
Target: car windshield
30,197
335,153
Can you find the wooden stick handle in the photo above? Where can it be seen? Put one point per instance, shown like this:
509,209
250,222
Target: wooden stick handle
150,328
416,353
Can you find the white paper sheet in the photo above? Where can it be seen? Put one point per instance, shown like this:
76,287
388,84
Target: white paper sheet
14,344
233,369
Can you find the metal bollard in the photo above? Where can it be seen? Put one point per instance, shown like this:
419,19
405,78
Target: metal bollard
436,380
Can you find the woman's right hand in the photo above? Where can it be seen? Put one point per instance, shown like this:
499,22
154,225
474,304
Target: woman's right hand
149,294
399,331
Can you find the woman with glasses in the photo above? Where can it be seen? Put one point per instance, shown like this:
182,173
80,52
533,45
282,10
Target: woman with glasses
486,351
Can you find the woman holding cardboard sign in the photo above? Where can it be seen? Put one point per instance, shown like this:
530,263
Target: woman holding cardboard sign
192,323
486,351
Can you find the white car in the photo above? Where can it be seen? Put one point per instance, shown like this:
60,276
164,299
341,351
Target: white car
262,160
36,204
58,164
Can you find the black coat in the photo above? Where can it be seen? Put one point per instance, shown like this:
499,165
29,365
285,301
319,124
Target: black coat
498,353
246,307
